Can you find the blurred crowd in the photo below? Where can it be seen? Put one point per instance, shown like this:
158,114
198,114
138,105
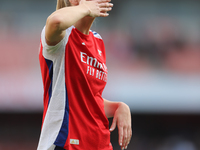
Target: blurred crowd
141,35
163,45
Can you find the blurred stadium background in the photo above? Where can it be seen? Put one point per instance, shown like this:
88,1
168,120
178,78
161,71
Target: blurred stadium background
153,58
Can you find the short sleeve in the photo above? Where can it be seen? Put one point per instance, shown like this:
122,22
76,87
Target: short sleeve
53,49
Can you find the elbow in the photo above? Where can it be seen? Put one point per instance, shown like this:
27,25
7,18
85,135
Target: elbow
54,22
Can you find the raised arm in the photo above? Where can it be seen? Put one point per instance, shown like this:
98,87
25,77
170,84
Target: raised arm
121,118
63,18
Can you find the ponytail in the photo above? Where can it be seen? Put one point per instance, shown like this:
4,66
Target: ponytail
62,3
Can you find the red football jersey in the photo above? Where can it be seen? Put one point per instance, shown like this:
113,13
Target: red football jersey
74,75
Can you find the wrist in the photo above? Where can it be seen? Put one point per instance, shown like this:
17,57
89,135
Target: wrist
123,106
85,9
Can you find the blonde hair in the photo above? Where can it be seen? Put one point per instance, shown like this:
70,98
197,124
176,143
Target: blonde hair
62,3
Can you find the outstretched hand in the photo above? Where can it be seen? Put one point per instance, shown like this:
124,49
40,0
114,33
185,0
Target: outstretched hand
122,119
97,8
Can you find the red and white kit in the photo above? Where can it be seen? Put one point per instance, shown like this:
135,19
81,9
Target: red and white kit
74,75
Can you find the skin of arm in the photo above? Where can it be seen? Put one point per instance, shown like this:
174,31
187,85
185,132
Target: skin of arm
58,21
63,18
110,108
122,118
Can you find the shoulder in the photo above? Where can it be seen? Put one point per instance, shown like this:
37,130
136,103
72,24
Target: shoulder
62,42
97,35
68,31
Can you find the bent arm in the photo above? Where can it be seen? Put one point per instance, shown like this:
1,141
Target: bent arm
110,108
122,118
62,19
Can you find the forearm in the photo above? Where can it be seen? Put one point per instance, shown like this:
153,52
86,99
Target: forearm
122,118
110,107
61,19
67,16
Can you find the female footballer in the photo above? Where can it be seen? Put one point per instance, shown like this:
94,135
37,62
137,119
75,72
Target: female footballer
74,73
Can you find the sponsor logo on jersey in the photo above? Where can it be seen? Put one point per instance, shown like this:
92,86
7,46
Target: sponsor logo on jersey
92,61
99,52
74,141
94,68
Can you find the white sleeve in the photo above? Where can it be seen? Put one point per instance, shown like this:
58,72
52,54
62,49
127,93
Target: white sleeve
55,48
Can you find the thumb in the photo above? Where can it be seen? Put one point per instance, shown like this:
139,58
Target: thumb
113,126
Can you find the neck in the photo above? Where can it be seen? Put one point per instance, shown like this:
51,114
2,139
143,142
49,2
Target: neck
84,24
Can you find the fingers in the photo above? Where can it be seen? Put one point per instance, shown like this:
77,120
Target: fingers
120,130
105,9
129,135
102,14
98,8
113,126
125,139
123,116
103,1
125,134
105,6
